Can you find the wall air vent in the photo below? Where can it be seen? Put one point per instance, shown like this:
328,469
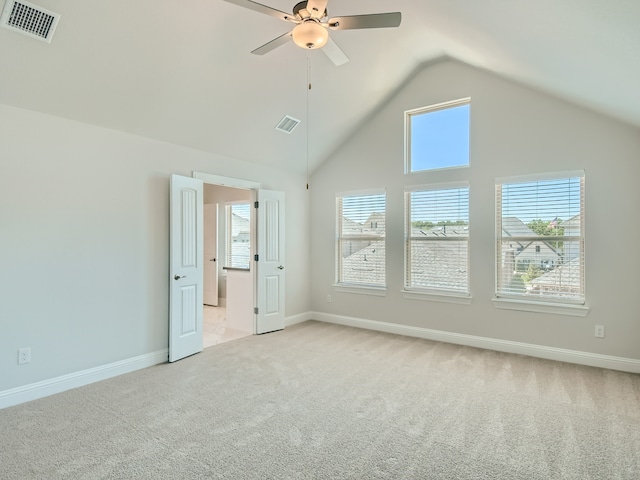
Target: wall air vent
287,124
29,19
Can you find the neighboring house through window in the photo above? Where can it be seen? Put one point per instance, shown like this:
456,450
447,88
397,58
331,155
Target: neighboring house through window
437,239
540,238
360,247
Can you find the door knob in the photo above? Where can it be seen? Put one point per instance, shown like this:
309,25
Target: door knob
280,267
178,277
212,260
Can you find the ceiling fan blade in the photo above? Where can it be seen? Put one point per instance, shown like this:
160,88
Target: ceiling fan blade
273,44
257,7
316,8
374,20
335,53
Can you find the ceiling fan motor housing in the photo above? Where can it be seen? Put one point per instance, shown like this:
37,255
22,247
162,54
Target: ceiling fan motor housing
301,12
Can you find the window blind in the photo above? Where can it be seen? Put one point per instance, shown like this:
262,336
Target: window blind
361,239
540,239
437,240
238,244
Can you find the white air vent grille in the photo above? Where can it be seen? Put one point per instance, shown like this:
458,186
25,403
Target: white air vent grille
287,124
29,19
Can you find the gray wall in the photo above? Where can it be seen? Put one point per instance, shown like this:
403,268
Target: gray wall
514,131
84,219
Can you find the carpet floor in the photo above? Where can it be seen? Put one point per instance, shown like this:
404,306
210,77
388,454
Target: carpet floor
321,401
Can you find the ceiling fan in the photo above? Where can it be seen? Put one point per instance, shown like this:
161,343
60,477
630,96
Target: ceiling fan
312,24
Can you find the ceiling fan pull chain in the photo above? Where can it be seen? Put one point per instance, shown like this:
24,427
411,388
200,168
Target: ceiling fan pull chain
307,132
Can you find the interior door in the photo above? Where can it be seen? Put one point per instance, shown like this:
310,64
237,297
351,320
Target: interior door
270,266
211,254
186,267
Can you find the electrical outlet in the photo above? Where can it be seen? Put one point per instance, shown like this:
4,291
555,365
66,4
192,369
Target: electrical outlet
599,331
328,298
24,355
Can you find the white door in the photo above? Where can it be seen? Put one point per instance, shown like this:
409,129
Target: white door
211,254
270,265
185,267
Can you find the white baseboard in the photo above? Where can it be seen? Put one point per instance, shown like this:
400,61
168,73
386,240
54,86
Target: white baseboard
540,351
301,317
45,388
33,391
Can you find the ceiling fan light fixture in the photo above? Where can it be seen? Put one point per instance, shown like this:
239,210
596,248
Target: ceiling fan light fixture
310,35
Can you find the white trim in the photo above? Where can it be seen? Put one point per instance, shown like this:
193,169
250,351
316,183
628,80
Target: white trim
540,351
33,391
439,106
437,297
227,181
540,177
541,307
361,289
299,318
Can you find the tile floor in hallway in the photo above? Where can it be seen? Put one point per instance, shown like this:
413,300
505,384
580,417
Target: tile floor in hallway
215,329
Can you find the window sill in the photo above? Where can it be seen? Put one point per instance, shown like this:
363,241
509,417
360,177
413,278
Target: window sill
437,297
539,307
361,290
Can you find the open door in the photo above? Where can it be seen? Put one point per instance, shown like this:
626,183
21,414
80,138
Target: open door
270,266
186,267
210,255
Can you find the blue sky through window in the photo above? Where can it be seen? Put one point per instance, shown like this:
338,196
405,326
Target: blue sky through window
435,206
359,208
548,200
440,138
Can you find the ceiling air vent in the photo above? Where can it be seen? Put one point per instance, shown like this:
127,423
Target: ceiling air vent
29,19
287,124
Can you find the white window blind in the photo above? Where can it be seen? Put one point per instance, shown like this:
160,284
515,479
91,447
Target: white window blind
238,236
437,240
540,238
360,248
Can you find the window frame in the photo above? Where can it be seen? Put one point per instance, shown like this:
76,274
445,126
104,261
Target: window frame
349,286
408,114
540,303
228,235
433,292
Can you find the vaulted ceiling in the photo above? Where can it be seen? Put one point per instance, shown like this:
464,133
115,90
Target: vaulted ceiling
181,71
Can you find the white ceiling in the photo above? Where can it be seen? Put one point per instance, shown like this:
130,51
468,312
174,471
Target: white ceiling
180,70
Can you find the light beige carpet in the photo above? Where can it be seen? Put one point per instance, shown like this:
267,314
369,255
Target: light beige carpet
320,401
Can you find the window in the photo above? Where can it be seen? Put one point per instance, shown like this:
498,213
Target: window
361,239
540,238
437,136
238,236
437,239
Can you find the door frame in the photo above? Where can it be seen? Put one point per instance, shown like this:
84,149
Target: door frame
223,181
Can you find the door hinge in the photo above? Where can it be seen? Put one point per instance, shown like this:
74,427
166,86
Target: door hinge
255,257
255,204
255,310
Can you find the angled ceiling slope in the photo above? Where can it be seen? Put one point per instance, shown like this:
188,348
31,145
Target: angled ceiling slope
186,75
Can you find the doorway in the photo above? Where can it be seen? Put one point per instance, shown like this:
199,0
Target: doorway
228,295
263,298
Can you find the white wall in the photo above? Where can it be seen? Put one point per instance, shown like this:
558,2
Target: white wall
514,131
84,242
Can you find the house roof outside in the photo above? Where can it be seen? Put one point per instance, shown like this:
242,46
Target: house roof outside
564,280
